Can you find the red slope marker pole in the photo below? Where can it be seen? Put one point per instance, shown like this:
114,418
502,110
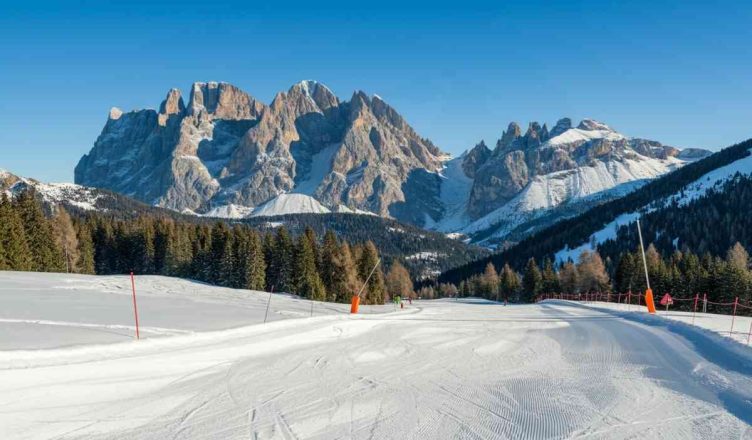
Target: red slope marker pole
694,312
733,317
135,307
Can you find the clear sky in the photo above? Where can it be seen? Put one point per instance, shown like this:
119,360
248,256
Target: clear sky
679,72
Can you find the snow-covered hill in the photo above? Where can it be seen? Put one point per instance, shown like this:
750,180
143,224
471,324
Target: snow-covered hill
542,177
692,191
441,369
69,194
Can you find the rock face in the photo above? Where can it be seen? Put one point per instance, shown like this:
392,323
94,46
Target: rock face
225,147
226,153
518,159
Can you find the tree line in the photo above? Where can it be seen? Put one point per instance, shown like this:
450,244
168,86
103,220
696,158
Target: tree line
322,268
681,274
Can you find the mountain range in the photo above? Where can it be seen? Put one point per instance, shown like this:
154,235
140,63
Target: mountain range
227,154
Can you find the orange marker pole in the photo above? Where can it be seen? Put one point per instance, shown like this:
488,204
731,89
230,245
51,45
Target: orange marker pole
135,307
648,293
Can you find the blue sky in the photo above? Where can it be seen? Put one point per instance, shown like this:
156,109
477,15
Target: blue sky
679,72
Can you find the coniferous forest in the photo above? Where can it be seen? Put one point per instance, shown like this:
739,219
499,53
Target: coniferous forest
322,268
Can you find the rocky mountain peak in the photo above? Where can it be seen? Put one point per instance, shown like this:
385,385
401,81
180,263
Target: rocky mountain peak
223,101
591,124
172,104
475,158
561,126
318,93
115,114
511,134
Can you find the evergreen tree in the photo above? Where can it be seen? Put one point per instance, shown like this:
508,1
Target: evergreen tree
550,279
45,255
221,259
282,261
255,265
532,280
510,283
627,273
85,263
16,252
306,281
374,291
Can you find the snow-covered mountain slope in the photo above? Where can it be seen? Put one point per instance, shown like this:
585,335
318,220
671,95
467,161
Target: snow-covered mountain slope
585,186
68,194
530,181
692,191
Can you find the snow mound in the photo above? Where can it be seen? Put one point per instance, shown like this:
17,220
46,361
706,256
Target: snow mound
229,211
290,204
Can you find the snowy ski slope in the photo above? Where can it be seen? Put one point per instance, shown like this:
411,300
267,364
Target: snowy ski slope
439,369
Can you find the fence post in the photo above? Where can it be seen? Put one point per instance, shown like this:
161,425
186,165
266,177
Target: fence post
750,332
733,317
704,303
135,307
697,296
629,300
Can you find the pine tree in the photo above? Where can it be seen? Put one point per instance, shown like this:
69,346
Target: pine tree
221,258
282,262
627,273
532,280
85,263
45,255
17,255
510,283
369,258
550,279
306,281
255,266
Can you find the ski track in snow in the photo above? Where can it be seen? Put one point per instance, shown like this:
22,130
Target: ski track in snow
443,369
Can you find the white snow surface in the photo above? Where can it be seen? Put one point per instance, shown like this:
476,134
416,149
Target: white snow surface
440,369
608,232
290,204
579,135
229,211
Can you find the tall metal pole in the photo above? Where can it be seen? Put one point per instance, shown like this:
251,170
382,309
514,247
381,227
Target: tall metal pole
369,276
135,307
642,248
269,301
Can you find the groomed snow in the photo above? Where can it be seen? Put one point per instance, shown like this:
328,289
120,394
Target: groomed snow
439,369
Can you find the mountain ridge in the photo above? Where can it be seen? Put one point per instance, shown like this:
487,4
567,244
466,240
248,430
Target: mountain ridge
227,152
